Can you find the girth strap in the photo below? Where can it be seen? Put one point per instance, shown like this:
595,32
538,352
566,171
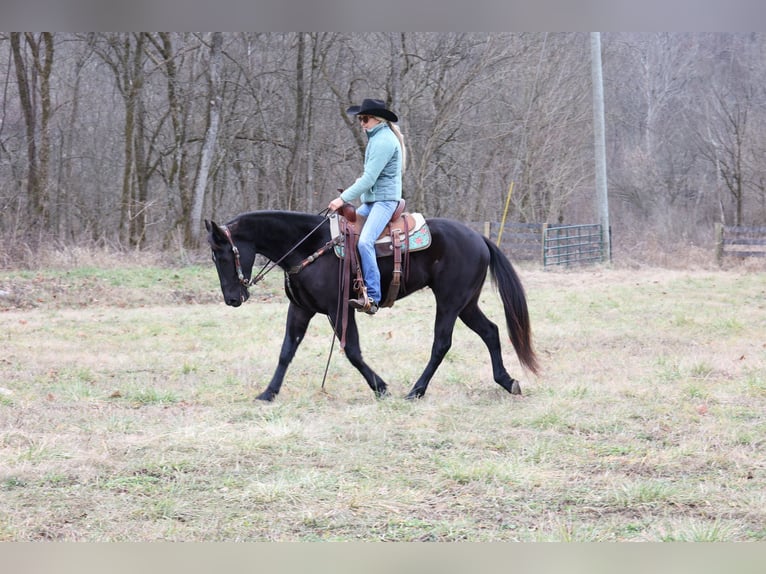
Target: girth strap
396,278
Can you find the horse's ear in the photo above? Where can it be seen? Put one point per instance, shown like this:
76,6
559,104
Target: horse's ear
215,230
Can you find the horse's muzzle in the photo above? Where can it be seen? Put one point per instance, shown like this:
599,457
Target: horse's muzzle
244,295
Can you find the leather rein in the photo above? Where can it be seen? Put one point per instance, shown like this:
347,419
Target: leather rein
269,265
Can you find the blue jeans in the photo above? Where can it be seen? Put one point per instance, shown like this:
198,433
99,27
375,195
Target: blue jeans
378,214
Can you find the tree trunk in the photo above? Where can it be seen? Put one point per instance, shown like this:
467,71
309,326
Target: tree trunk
211,134
311,193
38,157
294,178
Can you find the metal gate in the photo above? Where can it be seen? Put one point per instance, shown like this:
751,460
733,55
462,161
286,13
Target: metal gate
572,244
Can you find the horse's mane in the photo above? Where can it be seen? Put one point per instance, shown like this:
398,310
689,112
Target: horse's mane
275,213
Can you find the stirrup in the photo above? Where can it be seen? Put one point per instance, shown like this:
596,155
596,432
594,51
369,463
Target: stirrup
365,305
363,301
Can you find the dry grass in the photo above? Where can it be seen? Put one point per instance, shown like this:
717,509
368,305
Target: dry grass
127,413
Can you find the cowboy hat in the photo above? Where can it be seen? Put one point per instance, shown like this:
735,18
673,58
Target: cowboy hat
375,108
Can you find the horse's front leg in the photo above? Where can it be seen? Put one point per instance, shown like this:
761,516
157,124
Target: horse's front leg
298,320
354,354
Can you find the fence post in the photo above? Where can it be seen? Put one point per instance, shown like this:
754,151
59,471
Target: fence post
718,242
543,234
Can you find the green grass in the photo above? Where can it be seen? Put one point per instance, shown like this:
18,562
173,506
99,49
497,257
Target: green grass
127,413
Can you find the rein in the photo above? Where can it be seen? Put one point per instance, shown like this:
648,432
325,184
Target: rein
269,265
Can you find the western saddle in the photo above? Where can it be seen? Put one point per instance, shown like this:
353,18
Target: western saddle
396,240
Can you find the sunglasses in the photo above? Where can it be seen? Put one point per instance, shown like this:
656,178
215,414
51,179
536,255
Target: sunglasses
363,119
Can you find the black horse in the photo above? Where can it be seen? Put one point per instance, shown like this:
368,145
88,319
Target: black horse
454,267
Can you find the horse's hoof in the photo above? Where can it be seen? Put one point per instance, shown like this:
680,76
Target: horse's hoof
515,387
266,397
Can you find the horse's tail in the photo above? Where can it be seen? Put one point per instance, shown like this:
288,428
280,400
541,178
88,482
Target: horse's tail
515,304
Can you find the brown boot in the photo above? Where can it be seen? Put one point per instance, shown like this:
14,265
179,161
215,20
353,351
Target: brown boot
365,305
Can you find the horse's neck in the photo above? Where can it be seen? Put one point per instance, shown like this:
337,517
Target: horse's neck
274,233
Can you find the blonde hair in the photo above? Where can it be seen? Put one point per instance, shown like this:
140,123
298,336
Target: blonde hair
400,137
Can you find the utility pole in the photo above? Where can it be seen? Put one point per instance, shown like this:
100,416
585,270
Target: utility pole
602,200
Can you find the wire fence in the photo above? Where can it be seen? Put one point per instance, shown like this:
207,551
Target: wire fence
551,244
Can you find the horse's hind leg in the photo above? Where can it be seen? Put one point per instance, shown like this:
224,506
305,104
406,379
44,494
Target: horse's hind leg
478,322
297,322
444,326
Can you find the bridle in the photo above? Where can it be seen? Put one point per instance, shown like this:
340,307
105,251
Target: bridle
237,263
269,265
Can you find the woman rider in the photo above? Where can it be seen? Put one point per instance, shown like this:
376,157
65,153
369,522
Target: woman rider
379,189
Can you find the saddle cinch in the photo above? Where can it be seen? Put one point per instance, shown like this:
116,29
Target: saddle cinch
405,233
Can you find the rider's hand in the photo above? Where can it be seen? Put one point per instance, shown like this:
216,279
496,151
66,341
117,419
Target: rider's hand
335,204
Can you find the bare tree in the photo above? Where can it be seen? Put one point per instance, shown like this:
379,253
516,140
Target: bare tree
127,146
554,162
729,136
211,134
175,168
124,54
33,59
729,147
650,106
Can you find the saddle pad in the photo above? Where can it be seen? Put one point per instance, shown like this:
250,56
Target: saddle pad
419,237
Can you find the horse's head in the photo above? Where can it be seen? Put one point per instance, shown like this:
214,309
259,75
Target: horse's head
231,262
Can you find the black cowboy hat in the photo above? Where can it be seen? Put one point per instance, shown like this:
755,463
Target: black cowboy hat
375,108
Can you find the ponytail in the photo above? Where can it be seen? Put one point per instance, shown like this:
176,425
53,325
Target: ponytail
400,137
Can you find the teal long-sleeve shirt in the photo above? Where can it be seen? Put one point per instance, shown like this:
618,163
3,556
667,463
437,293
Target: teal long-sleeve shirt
382,177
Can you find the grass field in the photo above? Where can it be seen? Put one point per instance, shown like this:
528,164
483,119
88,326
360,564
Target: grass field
127,413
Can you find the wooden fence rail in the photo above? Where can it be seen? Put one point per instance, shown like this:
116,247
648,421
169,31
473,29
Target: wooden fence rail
739,241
